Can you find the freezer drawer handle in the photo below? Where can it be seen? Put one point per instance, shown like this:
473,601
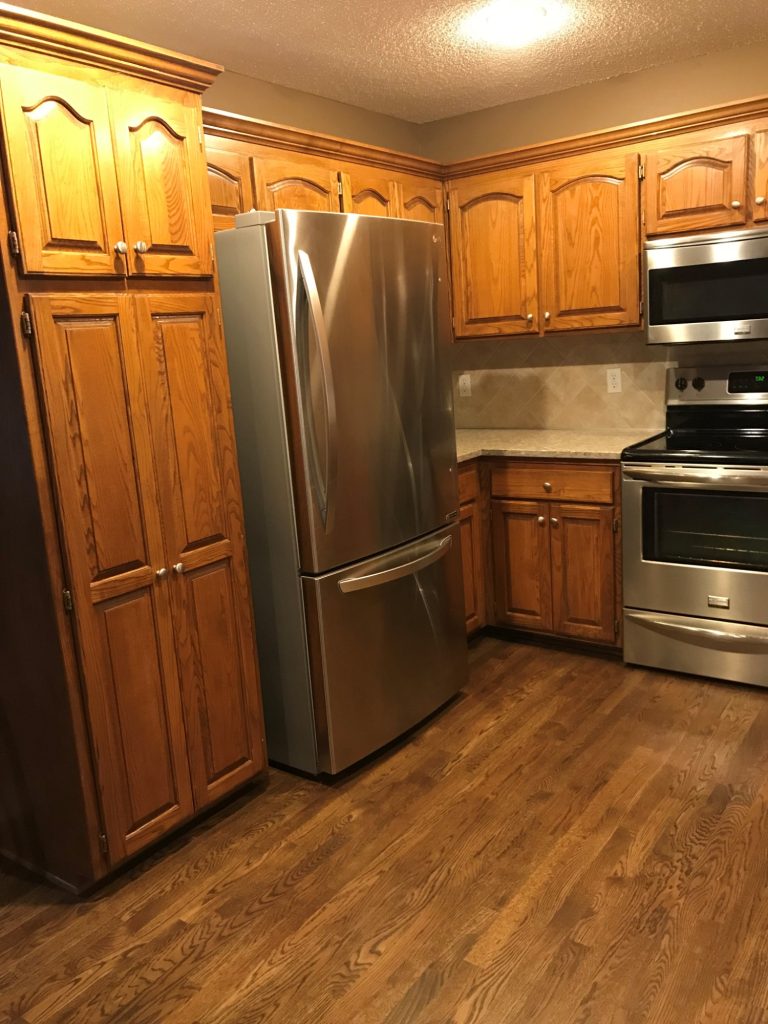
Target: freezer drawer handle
326,492
397,572
747,639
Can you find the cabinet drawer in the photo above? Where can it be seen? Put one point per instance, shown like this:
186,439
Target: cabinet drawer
469,482
558,481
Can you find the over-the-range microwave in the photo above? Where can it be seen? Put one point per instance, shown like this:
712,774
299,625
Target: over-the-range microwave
711,287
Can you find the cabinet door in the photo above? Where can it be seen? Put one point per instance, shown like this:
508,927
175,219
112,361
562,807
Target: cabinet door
291,182
522,576
229,182
589,234
98,433
371,192
696,185
63,181
760,207
421,199
473,564
163,187
493,256
583,581
188,389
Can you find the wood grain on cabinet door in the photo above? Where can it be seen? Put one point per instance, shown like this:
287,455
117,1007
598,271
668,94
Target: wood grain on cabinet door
420,199
163,187
292,182
521,564
63,181
583,571
696,185
589,235
369,191
493,255
185,367
760,200
98,432
229,182
473,564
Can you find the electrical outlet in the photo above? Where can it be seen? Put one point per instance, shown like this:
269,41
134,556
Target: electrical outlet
465,385
613,378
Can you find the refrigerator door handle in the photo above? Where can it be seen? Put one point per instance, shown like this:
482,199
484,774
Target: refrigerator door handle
375,579
327,490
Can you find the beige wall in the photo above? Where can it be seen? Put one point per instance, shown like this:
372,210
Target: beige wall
240,94
671,89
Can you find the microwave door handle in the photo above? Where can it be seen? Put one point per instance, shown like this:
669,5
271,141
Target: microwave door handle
396,572
725,481
315,310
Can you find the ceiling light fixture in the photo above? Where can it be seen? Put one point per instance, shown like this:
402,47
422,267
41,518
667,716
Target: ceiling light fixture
515,23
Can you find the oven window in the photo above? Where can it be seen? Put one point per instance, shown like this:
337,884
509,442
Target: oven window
709,292
706,528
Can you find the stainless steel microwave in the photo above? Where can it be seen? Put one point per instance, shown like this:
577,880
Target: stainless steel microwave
710,287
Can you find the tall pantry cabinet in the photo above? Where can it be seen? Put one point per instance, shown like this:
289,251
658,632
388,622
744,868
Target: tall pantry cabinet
129,695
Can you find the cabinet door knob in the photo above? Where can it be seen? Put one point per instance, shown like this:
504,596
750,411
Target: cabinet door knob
161,573
736,204
547,486
554,521
541,520
759,200
179,568
140,248
121,248
529,318
546,316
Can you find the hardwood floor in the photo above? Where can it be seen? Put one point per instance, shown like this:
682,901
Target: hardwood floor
569,842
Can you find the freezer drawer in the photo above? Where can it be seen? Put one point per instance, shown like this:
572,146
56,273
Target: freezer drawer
387,645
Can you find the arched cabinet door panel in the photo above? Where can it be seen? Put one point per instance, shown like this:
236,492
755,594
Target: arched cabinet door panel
369,191
421,199
229,182
163,188
589,243
493,255
697,186
286,181
760,197
62,174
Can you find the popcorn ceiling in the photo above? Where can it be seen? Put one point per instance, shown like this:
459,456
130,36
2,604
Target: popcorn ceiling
407,59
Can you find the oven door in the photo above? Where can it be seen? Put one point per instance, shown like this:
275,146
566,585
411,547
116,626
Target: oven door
707,288
696,541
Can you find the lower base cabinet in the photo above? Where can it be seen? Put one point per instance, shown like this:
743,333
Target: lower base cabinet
554,531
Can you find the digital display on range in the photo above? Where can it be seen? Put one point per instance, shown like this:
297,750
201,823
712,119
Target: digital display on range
748,382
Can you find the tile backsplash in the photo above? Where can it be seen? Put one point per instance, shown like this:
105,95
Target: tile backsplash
559,382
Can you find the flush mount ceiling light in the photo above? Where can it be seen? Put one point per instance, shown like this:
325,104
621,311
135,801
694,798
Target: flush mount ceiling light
515,23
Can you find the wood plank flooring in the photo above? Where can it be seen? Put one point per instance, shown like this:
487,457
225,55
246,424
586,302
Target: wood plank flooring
570,842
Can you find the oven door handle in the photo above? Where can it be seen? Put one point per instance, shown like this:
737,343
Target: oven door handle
755,480
737,638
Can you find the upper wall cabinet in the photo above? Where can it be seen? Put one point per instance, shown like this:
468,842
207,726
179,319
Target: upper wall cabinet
369,191
421,199
589,243
760,198
493,255
694,186
229,181
289,181
63,179
92,201
162,177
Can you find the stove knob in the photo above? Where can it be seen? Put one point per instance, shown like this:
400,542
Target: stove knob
681,383
698,383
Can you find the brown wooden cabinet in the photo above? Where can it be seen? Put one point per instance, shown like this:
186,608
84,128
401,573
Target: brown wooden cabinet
420,198
290,181
91,201
760,196
493,255
555,548
589,243
697,185
472,531
370,191
229,182
127,633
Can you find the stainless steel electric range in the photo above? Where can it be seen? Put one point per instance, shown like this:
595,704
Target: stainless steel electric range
695,509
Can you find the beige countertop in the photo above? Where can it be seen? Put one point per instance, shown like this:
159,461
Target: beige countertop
562,444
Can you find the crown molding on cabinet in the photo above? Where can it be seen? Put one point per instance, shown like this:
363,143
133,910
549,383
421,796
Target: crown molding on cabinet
250,129
55,37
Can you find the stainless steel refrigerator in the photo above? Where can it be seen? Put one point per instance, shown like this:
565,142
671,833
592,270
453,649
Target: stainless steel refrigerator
337,332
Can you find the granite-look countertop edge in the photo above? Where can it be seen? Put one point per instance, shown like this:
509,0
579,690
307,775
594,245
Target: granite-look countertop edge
550,444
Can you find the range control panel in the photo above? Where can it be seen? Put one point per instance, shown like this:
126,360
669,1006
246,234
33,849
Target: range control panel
717,385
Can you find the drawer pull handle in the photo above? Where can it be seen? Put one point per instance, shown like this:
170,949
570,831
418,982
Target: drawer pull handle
555,522
547,486
541,520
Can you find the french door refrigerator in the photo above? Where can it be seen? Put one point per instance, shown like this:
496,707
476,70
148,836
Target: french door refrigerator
337,332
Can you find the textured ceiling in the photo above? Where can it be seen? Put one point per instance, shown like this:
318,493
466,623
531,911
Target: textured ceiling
406,57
